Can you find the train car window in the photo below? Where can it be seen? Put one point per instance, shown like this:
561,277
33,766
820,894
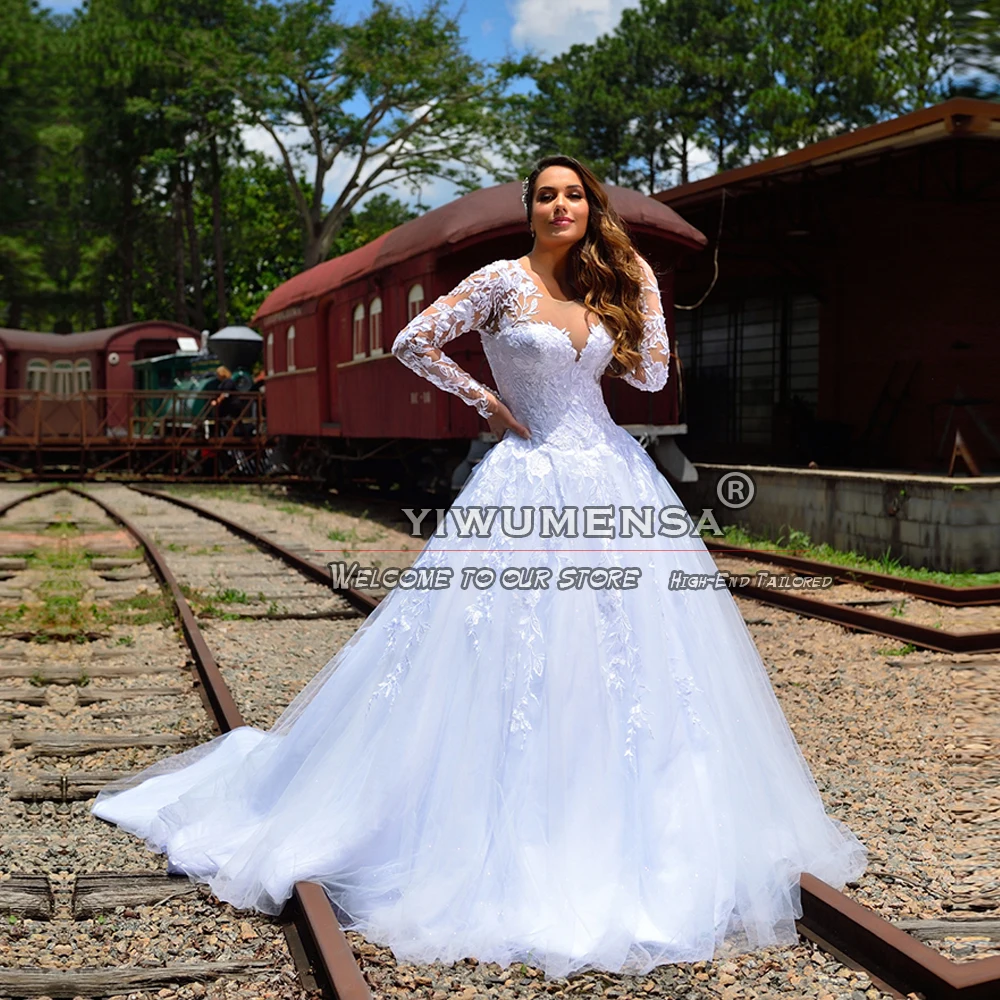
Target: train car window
63,382
290,348
375,327
414,301
270,354
38,375
84,378
359,331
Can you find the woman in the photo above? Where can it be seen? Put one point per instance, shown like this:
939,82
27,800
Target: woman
573,775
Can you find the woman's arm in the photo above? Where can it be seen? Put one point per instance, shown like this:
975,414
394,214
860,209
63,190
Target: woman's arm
469,306
651,373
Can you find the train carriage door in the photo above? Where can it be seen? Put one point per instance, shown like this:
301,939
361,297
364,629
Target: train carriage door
88,401
59,416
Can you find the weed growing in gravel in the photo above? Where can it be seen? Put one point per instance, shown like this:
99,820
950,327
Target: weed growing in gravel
339,535
150,608
897,651
232,596
8,616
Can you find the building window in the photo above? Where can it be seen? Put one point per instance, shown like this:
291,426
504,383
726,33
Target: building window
38,375
84,379
62,378
746,359
375,327
290,349
359,332
270,353
414,301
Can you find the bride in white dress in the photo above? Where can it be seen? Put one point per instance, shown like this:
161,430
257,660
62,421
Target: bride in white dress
575,777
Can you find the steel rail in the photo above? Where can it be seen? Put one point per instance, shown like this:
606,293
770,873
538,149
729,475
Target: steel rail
319,934
935,639
848,930
937,593
362,602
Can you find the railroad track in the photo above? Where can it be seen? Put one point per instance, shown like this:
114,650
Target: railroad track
894,956
88,701
924,615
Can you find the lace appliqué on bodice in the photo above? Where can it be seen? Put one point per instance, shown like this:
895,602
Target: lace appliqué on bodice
500,299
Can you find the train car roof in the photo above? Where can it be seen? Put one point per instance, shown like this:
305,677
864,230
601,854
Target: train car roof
493,210
85,340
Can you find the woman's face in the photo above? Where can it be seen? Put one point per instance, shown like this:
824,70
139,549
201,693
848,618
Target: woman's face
559,210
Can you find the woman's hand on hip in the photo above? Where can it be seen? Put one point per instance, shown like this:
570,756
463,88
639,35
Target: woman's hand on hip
502,420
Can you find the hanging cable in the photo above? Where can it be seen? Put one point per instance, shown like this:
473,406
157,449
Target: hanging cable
715,257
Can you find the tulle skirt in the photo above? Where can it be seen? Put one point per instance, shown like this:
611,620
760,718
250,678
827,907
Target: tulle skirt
574,777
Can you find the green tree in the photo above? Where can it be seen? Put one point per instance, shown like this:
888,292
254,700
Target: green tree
391,100
977,48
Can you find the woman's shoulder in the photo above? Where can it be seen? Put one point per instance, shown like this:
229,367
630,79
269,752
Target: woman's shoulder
504,267
498,276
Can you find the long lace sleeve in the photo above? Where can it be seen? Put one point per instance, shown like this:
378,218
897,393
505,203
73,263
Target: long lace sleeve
469,306
651,374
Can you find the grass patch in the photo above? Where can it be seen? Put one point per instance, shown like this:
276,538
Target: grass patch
897,650
800,544
150,608
231,596
353,535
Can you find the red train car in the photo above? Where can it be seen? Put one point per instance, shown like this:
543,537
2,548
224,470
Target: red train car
54,383
348,409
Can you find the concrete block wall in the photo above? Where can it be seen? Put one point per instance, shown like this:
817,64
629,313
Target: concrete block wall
942,523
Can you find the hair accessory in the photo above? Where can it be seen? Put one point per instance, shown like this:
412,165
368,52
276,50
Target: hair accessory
524,193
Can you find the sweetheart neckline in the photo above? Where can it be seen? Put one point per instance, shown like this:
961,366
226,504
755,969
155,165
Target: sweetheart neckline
568,338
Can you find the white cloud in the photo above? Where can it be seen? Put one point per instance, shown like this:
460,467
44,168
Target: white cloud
433,192
551,29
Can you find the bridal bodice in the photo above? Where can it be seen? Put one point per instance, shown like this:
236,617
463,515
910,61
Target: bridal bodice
541,377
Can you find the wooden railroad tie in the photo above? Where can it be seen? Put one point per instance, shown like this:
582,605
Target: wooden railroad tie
95,982
49,744
62,786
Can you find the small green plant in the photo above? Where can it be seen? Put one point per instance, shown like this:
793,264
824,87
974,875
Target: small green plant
232,596
336,535
101,919
126,640
898,609
11,919
898,651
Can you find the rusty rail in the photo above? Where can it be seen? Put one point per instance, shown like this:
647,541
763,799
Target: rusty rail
316,930
937,593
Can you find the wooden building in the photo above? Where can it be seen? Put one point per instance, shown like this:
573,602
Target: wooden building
855,319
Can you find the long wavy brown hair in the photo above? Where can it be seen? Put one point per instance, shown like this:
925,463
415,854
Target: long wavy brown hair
603,267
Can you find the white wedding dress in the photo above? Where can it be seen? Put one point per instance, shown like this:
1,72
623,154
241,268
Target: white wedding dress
571,778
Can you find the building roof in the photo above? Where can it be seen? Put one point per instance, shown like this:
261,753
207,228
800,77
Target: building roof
88,340
488,210
957,118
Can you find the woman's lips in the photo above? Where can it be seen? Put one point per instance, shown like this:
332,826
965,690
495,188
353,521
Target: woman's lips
562,222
